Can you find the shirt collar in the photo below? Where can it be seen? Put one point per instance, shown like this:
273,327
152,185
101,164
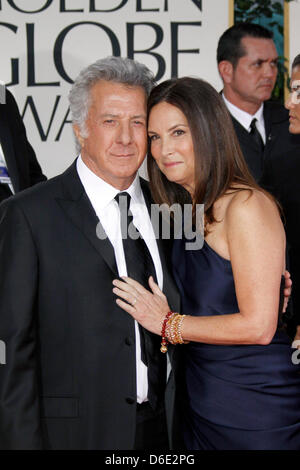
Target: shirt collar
243,117
99,190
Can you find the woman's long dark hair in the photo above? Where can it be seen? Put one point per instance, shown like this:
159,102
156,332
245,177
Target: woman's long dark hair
219,162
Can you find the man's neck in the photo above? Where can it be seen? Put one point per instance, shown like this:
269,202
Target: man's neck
247,106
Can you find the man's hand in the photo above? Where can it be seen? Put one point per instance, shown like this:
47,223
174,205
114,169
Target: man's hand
287,291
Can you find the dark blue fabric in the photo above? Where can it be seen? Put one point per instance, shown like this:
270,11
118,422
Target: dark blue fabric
241,396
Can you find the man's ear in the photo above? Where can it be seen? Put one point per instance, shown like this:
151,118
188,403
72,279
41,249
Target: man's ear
78,135
226,71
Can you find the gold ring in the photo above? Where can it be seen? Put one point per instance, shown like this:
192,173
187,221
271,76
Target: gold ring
134,302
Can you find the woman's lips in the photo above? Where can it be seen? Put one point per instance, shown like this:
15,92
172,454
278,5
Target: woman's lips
171,164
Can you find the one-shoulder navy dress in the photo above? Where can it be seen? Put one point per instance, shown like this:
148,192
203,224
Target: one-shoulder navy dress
236,397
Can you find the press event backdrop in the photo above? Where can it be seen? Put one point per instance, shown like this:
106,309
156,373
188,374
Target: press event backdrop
45,43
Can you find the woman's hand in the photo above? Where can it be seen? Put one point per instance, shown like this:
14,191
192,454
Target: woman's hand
149,309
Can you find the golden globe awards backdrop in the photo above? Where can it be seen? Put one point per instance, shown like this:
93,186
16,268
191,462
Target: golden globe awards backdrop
45,43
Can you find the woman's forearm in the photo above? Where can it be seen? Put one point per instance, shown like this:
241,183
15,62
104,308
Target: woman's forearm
228,329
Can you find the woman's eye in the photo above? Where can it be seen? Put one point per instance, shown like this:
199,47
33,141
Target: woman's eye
153,137
179,132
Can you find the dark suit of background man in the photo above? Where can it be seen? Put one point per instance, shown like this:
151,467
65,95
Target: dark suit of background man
77,373
283,177
19,168
247,61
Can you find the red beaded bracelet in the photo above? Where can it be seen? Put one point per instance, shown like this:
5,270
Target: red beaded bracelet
164,341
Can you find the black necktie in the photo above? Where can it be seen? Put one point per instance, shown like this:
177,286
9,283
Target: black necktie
254,132
138,259
140,266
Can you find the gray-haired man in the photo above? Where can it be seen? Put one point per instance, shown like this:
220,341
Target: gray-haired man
79,373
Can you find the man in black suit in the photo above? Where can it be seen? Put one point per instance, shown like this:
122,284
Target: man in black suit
247,62
281,176
19,168
79,373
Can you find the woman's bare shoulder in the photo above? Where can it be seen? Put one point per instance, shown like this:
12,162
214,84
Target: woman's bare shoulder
251,200
253,211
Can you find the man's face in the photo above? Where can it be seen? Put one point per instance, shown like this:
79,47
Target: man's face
116,124
253,79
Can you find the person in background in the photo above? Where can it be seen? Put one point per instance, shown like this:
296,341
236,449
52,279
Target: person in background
241,390
19,168
282,174
247,62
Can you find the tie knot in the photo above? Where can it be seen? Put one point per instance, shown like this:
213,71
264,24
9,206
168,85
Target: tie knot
123,198
253,125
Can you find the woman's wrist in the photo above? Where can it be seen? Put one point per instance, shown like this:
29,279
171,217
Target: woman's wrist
172,330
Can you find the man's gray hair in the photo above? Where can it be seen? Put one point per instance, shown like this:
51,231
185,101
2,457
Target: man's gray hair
115,69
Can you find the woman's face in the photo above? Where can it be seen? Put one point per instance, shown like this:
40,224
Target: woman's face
293,103
172,144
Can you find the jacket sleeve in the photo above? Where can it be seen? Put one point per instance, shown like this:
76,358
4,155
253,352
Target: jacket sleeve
20,425
35,172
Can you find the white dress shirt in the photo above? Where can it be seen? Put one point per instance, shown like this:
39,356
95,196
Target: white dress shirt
101,196
245,118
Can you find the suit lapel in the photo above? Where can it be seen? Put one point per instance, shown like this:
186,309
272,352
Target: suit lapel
79,210
243,135
268,123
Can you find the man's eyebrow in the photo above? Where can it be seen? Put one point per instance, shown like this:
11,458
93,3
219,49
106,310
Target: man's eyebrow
275,59
111,115
139,116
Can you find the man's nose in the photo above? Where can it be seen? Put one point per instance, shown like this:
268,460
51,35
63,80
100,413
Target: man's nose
270,70
125,133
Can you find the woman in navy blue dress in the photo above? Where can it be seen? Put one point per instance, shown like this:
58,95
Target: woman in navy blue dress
241,377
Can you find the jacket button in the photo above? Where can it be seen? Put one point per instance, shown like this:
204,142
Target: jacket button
130,400
128,341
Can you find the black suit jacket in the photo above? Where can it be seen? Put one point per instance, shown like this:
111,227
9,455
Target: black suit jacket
281,177
21,161
279,166
279,141
70,377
